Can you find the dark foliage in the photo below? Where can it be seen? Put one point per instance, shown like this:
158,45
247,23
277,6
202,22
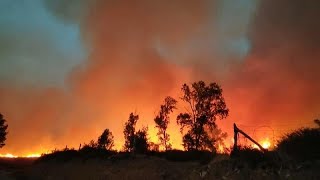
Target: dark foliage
162,121
129,132
206,104
255,158
87,152
105,141
59,156
202,157
302,144
135,141
140,141
3,131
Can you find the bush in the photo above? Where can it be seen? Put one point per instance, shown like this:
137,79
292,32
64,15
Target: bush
302,144
59,156
255,157
203,157
249,155
84,153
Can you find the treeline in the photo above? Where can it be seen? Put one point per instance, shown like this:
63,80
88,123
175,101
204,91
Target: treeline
204,105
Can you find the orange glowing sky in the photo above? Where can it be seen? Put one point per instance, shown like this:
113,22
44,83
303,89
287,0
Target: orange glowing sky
70,69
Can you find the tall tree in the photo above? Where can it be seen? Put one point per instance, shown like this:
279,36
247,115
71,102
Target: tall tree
162,121
129,132
3,131
206,104
105,141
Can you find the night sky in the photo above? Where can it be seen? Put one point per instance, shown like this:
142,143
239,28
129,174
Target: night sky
70,69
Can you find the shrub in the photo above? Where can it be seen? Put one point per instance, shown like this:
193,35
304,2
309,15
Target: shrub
256,158
59,155
302,144
202,157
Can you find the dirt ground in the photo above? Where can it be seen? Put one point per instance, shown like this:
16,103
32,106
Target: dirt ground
146,167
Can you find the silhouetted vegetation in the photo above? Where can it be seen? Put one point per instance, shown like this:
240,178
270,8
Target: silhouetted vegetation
302,144
3,131
105,141
162,121
129,132
202,157
206,104
254,157
141,141
135,141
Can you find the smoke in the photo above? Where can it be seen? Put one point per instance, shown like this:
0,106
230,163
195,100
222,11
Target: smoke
37,52
277,85
36,45
84,67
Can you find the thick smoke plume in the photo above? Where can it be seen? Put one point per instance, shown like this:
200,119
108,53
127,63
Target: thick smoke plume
264,54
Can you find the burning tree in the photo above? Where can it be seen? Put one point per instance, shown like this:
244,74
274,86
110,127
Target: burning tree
206,104
3,131
162,121
105,141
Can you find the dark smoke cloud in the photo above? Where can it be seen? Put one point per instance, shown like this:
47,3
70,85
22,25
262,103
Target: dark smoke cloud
278,82
71,11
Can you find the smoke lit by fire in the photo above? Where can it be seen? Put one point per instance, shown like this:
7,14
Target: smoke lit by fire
70,69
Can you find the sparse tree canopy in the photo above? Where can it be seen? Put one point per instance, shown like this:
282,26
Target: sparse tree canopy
162,121
105,141
205,105
129,132
3,131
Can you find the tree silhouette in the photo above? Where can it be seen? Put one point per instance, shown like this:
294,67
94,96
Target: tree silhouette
162,121
129,132
3,131
206,104
105,141
140,141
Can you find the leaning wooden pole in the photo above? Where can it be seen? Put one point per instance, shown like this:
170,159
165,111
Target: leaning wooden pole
236,131
235,145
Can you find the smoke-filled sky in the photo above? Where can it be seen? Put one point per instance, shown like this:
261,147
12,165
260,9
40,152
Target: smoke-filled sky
70,69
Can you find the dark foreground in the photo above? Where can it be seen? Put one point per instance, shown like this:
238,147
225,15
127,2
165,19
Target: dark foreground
148,167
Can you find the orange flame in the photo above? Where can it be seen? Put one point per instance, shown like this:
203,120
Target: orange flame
9,155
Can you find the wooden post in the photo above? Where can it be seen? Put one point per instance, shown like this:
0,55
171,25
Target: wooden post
235,145
237,130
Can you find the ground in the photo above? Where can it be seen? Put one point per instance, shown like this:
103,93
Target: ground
148,167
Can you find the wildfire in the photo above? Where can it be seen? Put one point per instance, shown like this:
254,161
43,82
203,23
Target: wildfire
32,155
8,155
266,144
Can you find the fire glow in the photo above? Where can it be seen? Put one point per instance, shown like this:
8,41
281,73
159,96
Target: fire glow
266,144
141,52
8,155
